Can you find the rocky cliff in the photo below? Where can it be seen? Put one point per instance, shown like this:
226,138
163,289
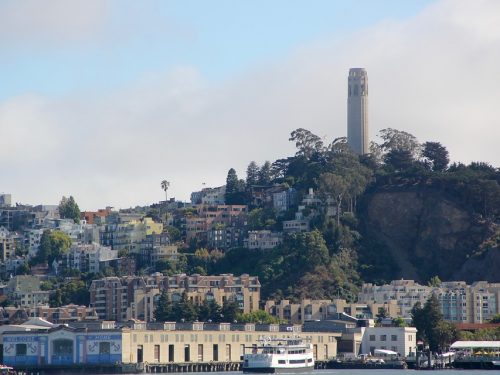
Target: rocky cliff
419,232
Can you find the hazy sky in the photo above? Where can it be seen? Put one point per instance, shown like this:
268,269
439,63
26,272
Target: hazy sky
103,99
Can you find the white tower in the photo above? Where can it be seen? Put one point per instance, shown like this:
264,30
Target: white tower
357,111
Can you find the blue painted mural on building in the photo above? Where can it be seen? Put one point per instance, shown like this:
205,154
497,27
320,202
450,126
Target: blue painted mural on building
61,346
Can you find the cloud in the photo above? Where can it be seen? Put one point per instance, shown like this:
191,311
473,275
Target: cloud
435,75
32,23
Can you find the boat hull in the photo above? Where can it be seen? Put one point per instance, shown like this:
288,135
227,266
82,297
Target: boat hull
278,370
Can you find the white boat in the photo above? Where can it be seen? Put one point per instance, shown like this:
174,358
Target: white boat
287,355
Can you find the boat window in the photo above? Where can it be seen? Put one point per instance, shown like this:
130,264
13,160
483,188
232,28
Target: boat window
281,361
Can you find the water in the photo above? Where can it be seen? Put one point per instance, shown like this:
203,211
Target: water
372,372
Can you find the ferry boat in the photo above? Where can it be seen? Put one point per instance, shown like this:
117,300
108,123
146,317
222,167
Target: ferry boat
286,355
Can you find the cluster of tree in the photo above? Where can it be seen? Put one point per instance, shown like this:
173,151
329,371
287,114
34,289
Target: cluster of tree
301,267
238,191
75,292
68,209
53,245
484,334
209,311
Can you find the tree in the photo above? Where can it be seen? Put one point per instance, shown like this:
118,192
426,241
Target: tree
401,141
307,250
68,209
431,326
53,245
185,309
252,174
333,186
398,322
231,181
230,310
306,142
75,292
174,234
23,269
399,160
279,168
210,310
163,311
235,189
259,316
495,319
334,280
164,186
435,281
437,154
265,174
446,333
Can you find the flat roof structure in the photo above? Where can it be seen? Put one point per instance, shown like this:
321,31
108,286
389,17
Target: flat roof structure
475,345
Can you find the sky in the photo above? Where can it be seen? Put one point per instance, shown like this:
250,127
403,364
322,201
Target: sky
103,99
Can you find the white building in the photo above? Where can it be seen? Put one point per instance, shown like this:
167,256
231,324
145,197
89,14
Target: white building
25,291
213,196
5,200
262,239
32,238
299,224
402,340
86,257
283,200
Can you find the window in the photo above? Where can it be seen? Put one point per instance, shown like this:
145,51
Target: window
372,337
104,347
157,353
383,337
394,337
21,349
200,352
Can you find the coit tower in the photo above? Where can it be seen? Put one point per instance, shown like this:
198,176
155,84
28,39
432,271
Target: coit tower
357,111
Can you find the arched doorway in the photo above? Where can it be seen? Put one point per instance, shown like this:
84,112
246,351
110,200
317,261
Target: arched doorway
62,351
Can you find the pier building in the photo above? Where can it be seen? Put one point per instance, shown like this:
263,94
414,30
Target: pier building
154,343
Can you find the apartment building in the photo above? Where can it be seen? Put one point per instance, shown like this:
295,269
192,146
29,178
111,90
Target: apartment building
125,298
220,226
307,309
460,302
24,291
8,243
263,239
89,257
63,314
127,232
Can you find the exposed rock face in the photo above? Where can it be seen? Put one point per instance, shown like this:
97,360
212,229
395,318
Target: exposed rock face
428,234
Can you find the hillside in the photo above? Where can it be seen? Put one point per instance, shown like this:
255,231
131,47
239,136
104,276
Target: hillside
421,231
400,211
